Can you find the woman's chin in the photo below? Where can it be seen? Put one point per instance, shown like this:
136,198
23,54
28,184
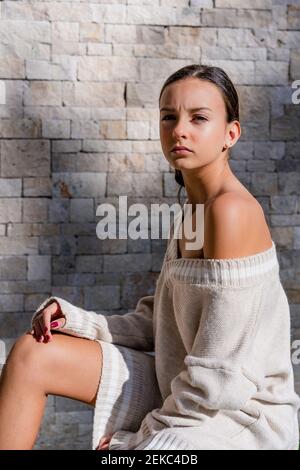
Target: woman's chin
181,163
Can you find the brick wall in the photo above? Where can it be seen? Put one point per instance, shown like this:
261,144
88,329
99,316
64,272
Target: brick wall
79,86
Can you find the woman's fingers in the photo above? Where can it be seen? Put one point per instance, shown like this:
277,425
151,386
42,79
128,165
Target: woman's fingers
104,442
42,324
38,328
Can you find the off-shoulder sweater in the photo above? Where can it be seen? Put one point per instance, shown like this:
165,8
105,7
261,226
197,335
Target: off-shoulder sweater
220,332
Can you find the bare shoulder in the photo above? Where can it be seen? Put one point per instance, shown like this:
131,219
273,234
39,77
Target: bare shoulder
235,226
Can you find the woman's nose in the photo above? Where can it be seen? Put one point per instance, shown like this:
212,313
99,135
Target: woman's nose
179,129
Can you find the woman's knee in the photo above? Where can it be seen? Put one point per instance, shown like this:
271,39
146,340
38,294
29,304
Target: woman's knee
28,355
67,366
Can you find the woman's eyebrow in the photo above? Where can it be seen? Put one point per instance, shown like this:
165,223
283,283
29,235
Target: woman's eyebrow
168,108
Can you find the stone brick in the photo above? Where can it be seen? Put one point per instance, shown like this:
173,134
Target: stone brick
25,287
106,69
39,268
234,53
237,18
254,103
25,158
12,268
43,93
282,236
2,93
126,34
261,166
264,183
10,187
66,146
37,187
89,264
109,13
92,94
292,149
126,263
59,210
82,417
269,150
280,97
35,210
296,238
91,32
80,162
10,210
82,210
13,324
89,245
286,128
31,229
202,3
62,67
17,246
11,303
63,31
284,204
295,65
56,129
79,184
12,68
255,4
102,297
240,72
271,73
228,36
66,404
137,285
293,16
242,150
63,264
138,130
32,301
20,128
157,69
50,11
170,185
285,220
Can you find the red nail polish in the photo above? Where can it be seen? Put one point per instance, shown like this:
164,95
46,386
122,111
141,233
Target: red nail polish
54,324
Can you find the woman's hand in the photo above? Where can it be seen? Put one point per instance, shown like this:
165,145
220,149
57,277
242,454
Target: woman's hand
50,317
104,442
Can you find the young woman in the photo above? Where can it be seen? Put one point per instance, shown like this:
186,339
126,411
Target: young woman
219,321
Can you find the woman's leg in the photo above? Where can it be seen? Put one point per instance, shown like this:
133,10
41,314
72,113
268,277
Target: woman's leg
67,366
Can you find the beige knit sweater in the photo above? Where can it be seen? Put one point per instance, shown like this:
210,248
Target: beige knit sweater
220,329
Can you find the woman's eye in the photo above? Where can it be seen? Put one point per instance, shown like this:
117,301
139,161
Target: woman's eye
198,117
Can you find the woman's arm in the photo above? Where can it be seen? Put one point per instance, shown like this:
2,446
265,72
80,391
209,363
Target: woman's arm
133,329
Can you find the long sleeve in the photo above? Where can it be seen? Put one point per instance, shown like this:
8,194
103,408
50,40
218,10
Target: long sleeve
217,374
133,329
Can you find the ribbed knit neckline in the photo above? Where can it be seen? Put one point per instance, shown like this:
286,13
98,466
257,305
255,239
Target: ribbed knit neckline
228,272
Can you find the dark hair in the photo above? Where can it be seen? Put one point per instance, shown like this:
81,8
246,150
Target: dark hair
217,76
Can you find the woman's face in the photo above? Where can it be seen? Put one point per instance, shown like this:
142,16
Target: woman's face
202,130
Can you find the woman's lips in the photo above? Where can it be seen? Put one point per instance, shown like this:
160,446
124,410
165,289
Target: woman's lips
183,151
